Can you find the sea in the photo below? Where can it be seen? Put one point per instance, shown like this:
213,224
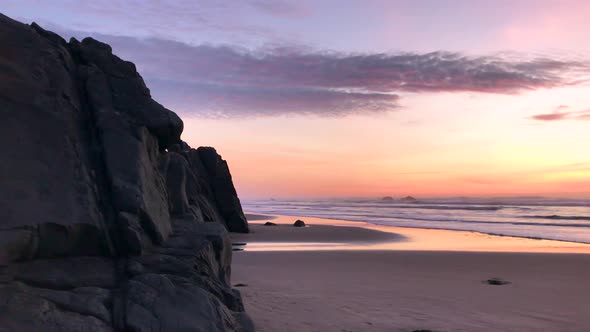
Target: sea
530,217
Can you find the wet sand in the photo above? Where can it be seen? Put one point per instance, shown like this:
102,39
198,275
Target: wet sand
324,278
328,234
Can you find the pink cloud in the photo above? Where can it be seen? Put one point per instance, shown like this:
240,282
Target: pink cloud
559,115
228,80
550,116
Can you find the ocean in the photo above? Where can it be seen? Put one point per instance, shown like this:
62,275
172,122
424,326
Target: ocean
530,217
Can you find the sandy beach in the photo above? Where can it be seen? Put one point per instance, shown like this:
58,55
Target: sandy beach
344,276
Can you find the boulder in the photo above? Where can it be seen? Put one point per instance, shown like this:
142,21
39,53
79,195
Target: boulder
299,223
269,223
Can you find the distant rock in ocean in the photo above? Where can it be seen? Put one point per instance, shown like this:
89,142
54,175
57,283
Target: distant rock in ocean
408,199
387,199
299,223
110,222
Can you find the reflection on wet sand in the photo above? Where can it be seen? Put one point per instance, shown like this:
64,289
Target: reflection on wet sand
327,234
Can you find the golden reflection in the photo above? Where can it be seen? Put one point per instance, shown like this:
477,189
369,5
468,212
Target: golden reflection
411,239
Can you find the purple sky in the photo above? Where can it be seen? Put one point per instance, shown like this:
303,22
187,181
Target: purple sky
498,82
351,26
227,58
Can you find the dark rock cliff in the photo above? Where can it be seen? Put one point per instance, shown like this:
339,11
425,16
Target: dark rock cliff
108,221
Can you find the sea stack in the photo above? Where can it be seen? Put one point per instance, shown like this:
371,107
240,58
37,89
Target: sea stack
408,199
110,222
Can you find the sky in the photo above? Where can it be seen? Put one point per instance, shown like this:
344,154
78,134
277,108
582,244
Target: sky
310,99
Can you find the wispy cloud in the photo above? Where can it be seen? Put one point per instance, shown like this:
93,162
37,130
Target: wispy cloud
220,100
559,114
404,72
233,81
281,8
186,20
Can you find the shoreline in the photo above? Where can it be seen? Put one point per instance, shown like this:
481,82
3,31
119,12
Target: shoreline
269,217
358,235
338,275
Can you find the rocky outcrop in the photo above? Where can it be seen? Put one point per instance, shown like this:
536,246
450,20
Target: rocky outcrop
200,185
408,199
222,185
299,223
108,221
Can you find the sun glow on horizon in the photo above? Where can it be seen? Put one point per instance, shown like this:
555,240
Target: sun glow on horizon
302,103
372,157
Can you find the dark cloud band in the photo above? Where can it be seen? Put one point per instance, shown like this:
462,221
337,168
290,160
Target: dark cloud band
231,81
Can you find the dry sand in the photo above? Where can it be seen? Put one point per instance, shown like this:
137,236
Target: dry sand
332,285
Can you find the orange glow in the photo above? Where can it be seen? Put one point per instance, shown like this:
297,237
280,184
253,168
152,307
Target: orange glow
413,239
487,146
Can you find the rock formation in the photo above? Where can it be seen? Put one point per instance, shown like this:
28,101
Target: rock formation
299,223
408,199
108,221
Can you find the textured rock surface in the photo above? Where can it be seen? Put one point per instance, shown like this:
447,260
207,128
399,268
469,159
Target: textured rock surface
224,192
200,186
48,167
108,221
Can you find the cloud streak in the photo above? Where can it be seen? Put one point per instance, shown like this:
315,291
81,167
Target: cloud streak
233,81
281,8
406,72
558,115
215,100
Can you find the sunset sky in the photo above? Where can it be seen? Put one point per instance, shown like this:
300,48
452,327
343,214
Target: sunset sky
363,98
